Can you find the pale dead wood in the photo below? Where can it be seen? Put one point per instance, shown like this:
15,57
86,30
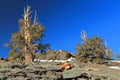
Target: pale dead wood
83,35
66,66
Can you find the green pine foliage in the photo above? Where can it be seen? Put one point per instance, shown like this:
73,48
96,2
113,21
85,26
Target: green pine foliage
118,56
93,50
29,37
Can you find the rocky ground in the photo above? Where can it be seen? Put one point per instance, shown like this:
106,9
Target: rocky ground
51,71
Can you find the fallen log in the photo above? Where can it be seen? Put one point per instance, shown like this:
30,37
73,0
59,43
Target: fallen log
66,66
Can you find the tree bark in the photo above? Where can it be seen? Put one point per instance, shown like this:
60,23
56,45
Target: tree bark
27,37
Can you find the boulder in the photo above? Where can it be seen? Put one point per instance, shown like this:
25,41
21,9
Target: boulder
75,73
55,55
1,58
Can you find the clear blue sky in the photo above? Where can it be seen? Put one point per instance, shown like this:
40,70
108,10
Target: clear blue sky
64,20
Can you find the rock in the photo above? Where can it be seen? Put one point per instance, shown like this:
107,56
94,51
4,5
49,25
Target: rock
1,58
55,75
91,69
55,55
52,77
51,71
75,73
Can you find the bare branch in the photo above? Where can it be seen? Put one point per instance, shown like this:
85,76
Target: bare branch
35,18
84,36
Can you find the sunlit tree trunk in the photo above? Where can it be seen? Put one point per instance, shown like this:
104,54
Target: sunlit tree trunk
28,55
28,39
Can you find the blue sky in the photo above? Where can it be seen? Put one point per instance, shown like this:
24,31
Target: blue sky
64,20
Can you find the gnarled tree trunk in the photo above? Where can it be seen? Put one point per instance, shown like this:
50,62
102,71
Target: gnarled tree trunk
28,56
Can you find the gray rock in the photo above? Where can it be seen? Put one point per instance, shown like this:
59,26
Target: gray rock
73,73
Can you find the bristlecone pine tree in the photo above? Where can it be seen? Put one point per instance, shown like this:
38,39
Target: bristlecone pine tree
109,53
118,56
28,39
92,49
